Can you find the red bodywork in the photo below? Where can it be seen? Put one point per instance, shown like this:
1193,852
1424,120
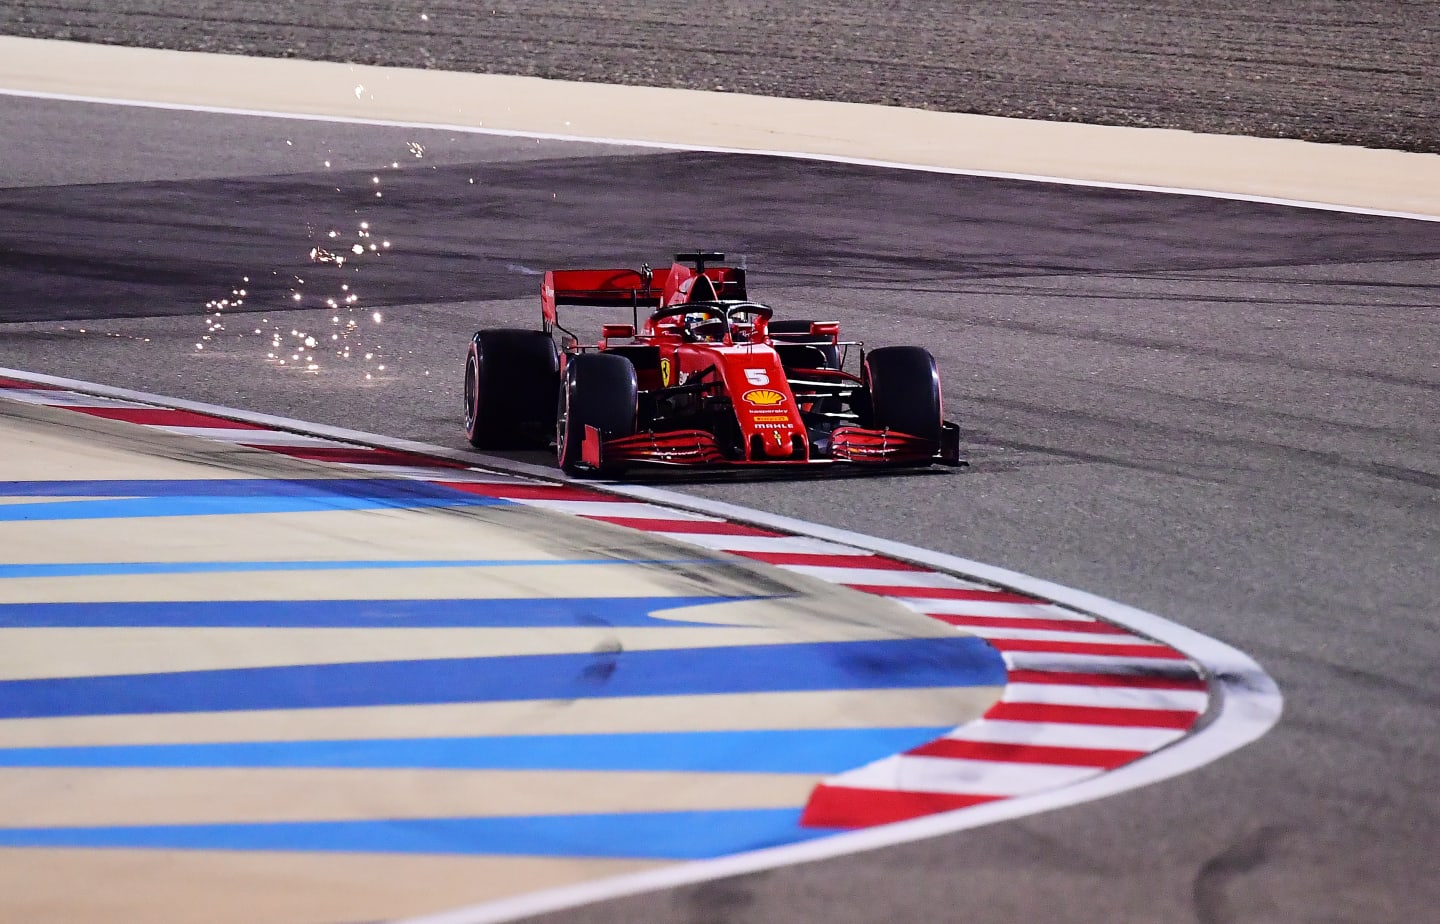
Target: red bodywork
740,367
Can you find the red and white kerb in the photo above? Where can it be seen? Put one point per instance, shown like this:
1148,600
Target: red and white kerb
1082,697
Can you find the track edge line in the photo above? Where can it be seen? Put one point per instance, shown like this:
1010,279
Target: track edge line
1249,701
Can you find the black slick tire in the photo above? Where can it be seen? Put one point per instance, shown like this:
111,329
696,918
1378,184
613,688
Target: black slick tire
511,378
597,390
904,390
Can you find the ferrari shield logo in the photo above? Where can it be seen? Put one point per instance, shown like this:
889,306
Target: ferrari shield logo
666,369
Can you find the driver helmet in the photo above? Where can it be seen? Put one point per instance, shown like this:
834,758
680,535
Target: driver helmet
705,326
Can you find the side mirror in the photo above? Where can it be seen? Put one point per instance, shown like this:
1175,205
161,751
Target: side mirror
829,329
617,331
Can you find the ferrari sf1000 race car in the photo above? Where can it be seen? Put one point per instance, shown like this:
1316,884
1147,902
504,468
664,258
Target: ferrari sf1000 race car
708,378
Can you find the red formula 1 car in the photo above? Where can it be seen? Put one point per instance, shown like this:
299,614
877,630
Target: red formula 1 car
706,379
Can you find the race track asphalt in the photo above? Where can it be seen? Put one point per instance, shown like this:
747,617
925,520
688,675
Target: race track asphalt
1225,413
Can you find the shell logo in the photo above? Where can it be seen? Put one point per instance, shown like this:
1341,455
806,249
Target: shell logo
764,397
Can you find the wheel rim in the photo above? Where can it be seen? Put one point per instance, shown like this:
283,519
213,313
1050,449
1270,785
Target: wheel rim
562,422
471,393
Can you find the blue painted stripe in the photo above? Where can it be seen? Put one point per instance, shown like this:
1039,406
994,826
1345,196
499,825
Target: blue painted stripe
227,487
819,751
204,497
101,569
867,665
358,614
222,506
640,835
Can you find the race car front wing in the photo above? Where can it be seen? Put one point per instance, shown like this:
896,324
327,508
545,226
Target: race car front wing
860,445
857,445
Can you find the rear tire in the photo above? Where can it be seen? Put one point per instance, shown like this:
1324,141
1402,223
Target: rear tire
511,377
904,389
597,390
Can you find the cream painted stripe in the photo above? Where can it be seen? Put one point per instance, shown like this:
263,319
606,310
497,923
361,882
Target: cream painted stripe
61,796
498,582
46,499
1165,160
482,534
961,775
48,653
1105,697
68,449
1052,734
238,887
298,549
924,707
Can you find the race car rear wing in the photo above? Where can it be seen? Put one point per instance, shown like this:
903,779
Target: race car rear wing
636,289
602,288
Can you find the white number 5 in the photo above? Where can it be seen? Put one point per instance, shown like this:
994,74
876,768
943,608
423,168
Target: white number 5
757,377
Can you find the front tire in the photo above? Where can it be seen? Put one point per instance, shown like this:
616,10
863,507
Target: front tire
904,389
511,377
597,390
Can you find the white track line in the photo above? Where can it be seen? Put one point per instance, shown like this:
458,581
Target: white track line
1245,703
